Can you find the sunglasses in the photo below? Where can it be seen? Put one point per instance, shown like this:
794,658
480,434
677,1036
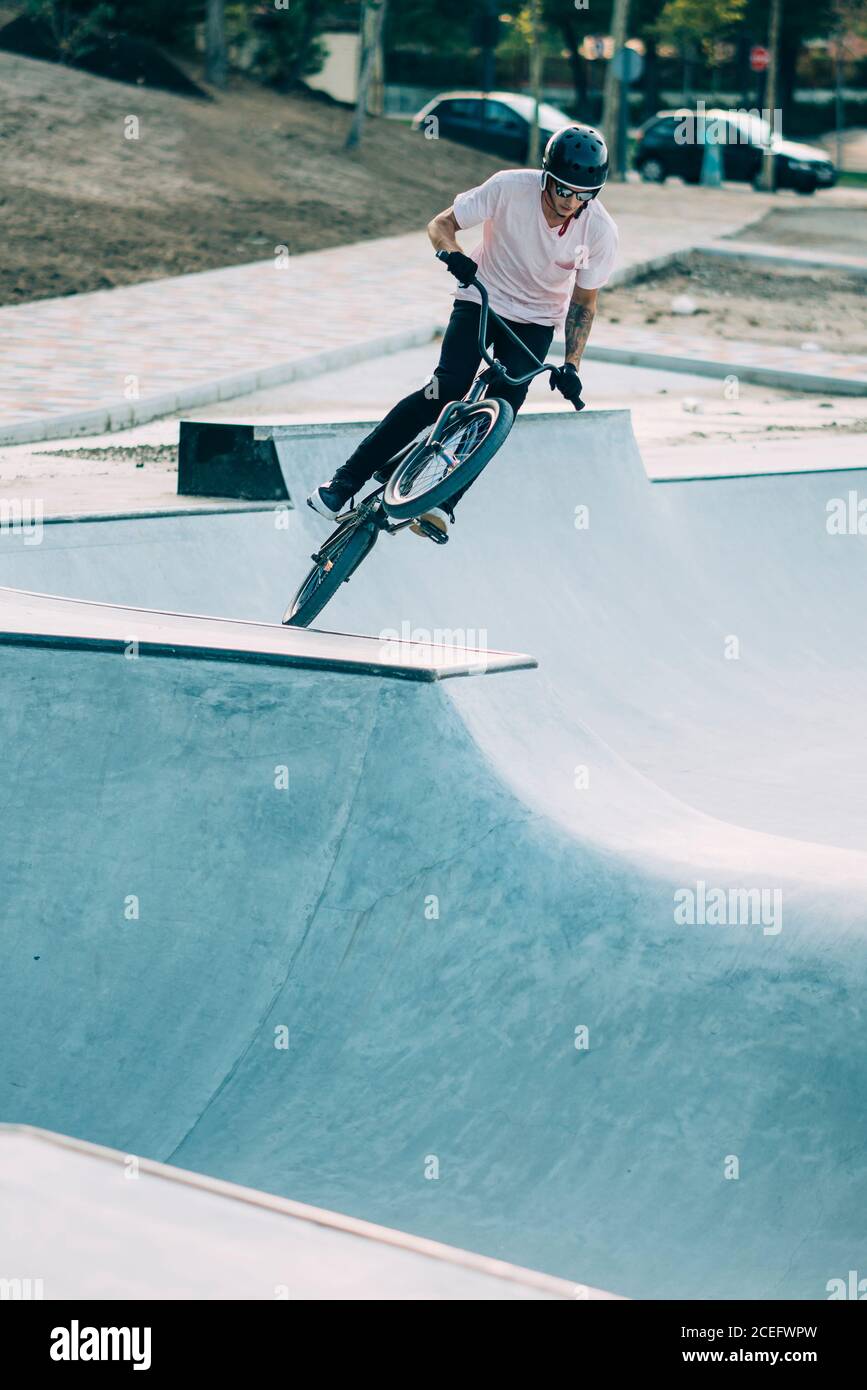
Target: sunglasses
582,194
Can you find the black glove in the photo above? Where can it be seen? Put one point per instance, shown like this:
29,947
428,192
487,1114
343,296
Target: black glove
567,380
462,267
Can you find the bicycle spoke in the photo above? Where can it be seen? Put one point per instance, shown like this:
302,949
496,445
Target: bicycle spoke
455,449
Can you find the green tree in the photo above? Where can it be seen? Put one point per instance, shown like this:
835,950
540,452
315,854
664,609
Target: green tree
443,25
696,26
645,14
572,25
288,45
803,19
75,27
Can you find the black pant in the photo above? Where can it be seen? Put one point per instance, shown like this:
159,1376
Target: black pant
459,360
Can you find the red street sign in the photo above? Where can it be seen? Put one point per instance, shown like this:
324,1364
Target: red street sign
759,58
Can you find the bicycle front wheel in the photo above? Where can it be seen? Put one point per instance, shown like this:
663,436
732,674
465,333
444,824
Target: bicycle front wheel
334,564
431,474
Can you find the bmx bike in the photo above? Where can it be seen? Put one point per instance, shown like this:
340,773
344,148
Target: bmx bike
429,471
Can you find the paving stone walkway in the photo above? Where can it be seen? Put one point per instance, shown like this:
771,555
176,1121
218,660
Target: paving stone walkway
92,362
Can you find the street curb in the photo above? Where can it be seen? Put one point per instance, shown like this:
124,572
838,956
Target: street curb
629,274
107,418
760,254
708,366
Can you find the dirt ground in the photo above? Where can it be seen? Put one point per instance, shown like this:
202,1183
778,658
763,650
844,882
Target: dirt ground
206,184
220,182
842,231
825,308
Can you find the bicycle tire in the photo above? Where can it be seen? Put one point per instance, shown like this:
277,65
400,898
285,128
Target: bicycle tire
342,553
403,508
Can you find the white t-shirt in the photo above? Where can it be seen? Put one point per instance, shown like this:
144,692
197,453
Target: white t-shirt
527,267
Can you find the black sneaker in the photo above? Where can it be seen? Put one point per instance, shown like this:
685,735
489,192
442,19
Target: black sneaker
330,498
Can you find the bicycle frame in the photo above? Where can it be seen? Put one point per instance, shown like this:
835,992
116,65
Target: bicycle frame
370,514
370,509
495,371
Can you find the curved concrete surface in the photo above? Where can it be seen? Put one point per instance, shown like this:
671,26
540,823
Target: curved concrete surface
629,618
459,877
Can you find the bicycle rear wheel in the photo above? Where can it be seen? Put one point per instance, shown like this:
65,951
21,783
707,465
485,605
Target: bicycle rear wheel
431,474
334,563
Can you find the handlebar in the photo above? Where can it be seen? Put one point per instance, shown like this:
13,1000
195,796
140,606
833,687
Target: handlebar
488,312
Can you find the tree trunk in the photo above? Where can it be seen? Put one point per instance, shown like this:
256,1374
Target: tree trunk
534,154
768,167
216,57
839,103
789,52
576,64
745,76
615,92
687,71
489,51
650,82
372,21
308,28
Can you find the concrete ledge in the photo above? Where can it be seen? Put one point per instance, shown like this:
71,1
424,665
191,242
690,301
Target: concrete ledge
254,1239
46,620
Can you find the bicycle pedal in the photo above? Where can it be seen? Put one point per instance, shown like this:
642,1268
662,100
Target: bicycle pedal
433,533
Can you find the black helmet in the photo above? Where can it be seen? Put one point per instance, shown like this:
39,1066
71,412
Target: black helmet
577,155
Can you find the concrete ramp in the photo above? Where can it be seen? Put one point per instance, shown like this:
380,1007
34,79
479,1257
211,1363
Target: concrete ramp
565,966
630,612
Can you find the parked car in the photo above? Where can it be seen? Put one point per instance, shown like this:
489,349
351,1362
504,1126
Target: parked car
497,122
668,144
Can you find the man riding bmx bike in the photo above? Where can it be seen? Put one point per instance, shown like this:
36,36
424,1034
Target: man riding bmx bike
548,246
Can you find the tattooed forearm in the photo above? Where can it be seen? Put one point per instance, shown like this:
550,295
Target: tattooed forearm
578,321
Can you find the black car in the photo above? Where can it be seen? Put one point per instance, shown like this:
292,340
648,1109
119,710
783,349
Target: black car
672,142
497,122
